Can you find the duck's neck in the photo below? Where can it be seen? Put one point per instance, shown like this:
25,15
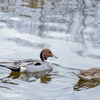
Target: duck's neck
42,57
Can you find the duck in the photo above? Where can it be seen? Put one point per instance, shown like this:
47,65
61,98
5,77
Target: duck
33,65
92,74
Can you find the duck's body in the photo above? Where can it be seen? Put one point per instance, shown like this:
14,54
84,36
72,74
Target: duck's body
33,65
90,74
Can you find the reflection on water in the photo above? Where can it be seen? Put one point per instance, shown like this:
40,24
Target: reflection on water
36,4
57,20
29,77
7,82
83,85
26,43
42,75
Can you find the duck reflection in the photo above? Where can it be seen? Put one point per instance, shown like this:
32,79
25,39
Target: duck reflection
83,85
31,77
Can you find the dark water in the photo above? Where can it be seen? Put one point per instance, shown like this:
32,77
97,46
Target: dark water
70,28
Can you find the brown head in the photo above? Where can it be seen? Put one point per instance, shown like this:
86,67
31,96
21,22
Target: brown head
45,53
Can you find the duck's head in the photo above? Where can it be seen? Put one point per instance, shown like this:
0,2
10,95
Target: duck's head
45,53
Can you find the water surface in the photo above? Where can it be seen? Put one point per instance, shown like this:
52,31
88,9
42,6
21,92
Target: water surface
70,28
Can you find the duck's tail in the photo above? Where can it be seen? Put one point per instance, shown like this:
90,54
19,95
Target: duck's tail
16,69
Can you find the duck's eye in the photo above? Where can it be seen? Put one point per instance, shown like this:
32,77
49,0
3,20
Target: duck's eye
49,52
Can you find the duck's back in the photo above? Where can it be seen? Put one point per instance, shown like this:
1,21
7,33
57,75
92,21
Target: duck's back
90,74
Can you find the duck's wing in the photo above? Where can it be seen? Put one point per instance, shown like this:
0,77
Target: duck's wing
27,62
84,76
91,74
21,64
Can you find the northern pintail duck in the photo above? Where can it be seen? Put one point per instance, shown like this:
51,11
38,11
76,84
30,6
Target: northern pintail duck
33,65
92,74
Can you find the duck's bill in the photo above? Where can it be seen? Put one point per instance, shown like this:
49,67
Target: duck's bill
54,56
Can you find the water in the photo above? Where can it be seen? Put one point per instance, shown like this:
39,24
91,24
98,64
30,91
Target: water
70,28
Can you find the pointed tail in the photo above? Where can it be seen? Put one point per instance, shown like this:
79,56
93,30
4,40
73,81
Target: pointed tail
16,69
